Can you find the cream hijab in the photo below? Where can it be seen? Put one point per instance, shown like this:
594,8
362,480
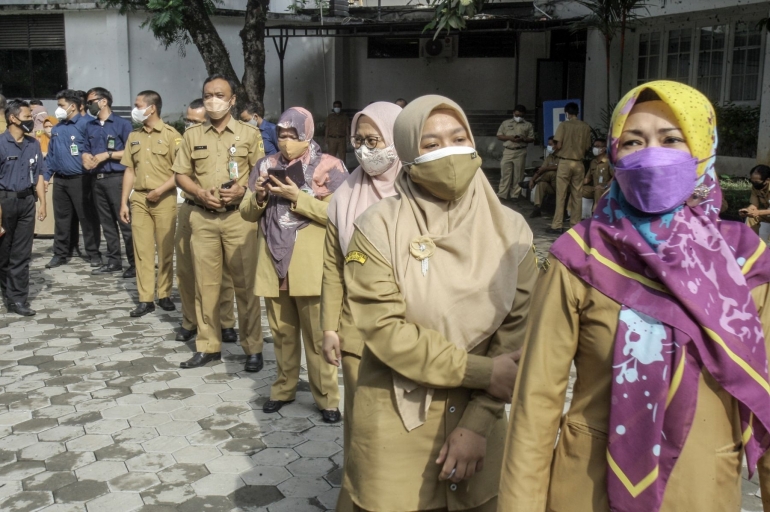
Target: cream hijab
455,262
360,190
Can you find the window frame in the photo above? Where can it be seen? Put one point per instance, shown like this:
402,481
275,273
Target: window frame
729,68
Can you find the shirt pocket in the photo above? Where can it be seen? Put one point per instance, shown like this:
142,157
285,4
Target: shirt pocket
199,154
161,149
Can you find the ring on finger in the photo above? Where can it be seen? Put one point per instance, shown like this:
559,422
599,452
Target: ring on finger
454,470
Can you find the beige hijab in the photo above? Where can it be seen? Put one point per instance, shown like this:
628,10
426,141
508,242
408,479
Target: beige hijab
455,262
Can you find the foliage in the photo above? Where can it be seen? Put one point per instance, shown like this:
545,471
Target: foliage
298,5
737,193
451,14
738,130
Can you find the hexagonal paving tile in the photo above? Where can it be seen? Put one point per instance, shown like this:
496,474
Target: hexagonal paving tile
218,485
283,439
241,446
150,462
122,412
165,444
49,481
179,428
149,420
119,451
196,454
300,487
21,469
115,501
27,501
266,475
80,492
106,426
254,496
318,449
208,503
182,473
275,457
168,494
65,433
101,470
230,464
208,437
311,467
134,482
89,443
35,426
69,461
191,413
41,451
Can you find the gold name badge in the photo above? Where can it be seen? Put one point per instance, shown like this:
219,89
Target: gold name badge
356,256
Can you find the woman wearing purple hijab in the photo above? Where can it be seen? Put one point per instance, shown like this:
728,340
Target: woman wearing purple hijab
664,309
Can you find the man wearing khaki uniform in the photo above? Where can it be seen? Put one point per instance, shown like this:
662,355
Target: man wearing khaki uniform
516,135
213,165
185,275
148,157
599,173
573,138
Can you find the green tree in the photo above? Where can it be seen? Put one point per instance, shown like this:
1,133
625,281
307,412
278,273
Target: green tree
183,22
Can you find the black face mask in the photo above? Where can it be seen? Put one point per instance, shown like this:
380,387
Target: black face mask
758,186
27,126
94,108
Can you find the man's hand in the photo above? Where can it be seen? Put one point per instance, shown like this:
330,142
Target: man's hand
504,370
286,190
232,195
125,214
752,211
41,213
331,348
152,196
45,186
259,191
89,162
463,451
101,157
208,199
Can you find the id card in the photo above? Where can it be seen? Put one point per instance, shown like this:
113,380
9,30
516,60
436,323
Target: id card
110,143
601,179
232,167
74,150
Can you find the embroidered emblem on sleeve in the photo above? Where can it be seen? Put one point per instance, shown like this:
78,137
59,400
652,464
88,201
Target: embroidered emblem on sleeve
356,256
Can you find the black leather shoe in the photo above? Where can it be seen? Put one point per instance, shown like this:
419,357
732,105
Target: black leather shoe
56,261
96,261
185,335
331,415
200,359
142,309
75,252
165,303
254,363
272,406
536,213
552,231
21,308
229,335
130,273
107,269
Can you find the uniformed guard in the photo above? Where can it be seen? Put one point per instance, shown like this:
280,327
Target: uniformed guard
758,210
573,138
599,172
185,275
149,155
544,179
337,132
213,165
516,134
21,177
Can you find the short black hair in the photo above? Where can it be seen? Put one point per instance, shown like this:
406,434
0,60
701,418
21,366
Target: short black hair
101,94
762,170
83,96
520,108
35,103
550,138
254,108
401,99
337,102
572,108
196,104
220,76
13,108
152,98
602,140
71,96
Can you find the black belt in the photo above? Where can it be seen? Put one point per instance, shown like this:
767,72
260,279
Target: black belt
67,176
570,159
102,175
228,208
5,194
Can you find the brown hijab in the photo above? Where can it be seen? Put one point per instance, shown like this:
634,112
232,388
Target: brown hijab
455,262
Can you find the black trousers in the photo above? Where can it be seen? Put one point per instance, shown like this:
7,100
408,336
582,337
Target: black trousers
16,247
73,201
107,195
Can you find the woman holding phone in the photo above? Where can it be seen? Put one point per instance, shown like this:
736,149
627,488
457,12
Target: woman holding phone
289,193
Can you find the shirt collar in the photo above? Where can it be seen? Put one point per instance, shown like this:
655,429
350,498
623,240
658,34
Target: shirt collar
157,128
9,138
231,125
71,121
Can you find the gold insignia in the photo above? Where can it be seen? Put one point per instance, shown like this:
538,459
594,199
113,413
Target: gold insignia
178,141
356,256
237,138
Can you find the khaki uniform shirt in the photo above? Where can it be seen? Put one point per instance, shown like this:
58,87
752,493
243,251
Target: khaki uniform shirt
574,322
510,128
600,172
207,156
575,138
388,467
337,125
761,198
306,265
151,155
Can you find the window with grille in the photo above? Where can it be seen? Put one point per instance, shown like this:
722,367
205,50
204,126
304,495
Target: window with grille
747,48
33,58
678,55
711,60
649,57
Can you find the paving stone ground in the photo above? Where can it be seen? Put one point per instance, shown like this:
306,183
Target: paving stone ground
96,416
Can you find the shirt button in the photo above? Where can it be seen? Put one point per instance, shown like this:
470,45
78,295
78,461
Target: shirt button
452,409
453,487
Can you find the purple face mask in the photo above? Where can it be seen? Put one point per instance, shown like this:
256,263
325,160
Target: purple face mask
657,180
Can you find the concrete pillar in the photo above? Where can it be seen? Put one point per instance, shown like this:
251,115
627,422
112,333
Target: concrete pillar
118,63
763,139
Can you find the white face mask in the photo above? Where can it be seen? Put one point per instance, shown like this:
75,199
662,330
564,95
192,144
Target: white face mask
548,150
217,108
139,115
254,123
598,151
60,113
518,119
376,161
337,110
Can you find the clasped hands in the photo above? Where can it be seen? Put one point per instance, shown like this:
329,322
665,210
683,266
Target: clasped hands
273,185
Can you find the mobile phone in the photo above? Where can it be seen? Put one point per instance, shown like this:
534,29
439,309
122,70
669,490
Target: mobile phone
227,185
280,175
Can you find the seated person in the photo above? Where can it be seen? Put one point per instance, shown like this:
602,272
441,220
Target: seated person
599,176
759,209
545,176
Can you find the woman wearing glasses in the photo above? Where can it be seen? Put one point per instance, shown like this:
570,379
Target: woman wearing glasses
289,197
371,182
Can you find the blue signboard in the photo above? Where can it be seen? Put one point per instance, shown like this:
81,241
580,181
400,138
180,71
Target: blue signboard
553,116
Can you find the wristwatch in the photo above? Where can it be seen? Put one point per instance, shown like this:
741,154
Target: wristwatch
109,155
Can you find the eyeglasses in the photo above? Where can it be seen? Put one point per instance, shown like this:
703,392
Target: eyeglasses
370,142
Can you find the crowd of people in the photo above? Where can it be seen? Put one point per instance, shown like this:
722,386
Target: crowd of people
414,278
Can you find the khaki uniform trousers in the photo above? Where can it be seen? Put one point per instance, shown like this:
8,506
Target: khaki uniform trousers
754,224
152,228
225,240
337,147
294,320
490,506
350,364
569,179
185,276
511,172
544,187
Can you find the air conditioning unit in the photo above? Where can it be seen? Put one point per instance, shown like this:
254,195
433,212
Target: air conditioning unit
439,48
